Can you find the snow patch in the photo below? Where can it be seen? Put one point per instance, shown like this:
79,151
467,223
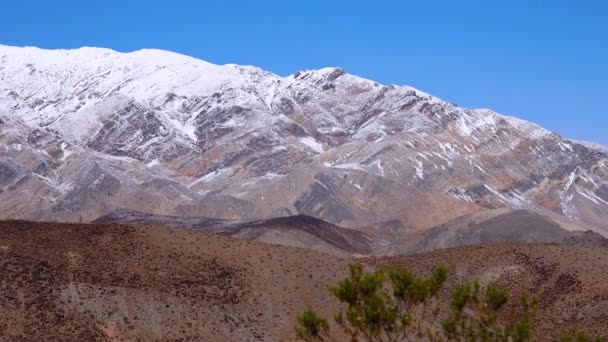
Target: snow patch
566,199
419,169
528,128
349,166
313,144
153,163
212,175
460,193
187,128
65,151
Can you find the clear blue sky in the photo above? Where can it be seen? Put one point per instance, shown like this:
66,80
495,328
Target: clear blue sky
545,61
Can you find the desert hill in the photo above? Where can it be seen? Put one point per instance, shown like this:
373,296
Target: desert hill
114,282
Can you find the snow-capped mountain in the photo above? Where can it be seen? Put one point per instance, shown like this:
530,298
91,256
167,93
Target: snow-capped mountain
88,131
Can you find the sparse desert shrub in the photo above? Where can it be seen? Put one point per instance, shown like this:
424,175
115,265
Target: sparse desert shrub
396,305
575,335
312,326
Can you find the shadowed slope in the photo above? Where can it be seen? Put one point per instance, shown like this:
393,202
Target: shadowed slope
502,226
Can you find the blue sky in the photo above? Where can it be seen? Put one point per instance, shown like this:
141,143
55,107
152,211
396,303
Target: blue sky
545,61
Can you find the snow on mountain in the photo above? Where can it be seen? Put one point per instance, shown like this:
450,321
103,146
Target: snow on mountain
87,131
45,86
592,145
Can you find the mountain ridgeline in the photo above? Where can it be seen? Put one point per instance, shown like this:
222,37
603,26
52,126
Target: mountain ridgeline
86,132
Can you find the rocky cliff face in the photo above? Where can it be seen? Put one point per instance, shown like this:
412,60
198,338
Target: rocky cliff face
85,132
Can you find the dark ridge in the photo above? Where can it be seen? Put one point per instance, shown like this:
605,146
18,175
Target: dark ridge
348,240
138,217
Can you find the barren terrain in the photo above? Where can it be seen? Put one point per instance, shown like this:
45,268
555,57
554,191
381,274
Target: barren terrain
79,282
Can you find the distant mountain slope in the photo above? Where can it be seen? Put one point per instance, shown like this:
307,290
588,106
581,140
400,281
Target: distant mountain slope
127,216
298,231
502,226
85,132
492,226
90,282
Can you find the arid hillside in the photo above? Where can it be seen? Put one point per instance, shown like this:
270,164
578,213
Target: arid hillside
151,283
570,281
115,282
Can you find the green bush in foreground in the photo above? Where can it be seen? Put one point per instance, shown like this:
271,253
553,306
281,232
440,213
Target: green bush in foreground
396,305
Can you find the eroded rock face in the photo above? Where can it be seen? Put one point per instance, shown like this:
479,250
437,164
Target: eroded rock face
7,174
85,132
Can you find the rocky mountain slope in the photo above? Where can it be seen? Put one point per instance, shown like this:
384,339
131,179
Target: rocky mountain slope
167,284
86,132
